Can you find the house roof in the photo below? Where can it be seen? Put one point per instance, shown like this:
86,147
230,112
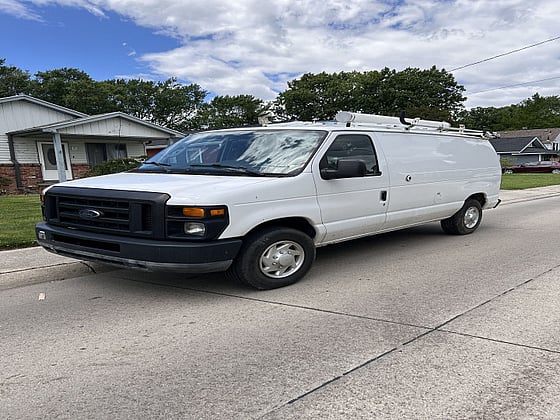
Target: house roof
544,134
49,128
519,145
23,97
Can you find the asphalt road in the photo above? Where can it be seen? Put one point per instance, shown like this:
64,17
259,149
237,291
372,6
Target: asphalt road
410,325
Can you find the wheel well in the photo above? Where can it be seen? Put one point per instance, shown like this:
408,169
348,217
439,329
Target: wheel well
298,223
480,197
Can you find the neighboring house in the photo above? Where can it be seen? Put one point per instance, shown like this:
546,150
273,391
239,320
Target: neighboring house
550,137
29,128
523,149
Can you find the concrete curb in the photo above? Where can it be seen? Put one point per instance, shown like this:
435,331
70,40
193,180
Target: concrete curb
22,267
28,276
518,196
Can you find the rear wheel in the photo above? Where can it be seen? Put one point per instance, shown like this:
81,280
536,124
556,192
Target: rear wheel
466,220
273,257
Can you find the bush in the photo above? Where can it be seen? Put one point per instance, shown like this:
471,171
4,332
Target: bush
507,162
4,182
115,166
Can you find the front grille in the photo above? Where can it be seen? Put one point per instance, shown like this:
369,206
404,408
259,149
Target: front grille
125,213
113,215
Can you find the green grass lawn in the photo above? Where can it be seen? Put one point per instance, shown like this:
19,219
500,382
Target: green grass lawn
524,181
18,215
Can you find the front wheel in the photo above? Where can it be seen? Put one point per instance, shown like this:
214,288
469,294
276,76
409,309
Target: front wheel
273,257
556,171
466,220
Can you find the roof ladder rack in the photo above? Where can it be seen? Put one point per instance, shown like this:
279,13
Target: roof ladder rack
393,122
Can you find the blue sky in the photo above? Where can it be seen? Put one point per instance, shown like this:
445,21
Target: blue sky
105,47
254,47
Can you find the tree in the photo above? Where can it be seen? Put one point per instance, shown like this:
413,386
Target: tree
318,96
167,103
480,118
431,94
13,81
55,85
231,111
539,112
534,112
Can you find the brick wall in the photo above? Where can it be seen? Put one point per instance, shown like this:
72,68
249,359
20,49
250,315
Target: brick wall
31,177
79,169
7,179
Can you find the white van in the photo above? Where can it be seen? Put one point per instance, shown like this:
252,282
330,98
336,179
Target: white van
257,202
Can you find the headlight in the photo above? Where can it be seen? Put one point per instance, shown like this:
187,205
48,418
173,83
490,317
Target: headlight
194,228
196,222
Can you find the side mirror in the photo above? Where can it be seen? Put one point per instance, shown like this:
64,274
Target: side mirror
346,168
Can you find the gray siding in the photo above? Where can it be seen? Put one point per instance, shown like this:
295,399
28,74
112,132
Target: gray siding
20,115
117,127
4,149
135,149
27,150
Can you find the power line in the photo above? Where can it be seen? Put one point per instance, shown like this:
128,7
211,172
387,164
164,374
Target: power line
517,84
504,54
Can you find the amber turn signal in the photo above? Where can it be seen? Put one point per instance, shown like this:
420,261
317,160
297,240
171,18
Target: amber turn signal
193,212
217,212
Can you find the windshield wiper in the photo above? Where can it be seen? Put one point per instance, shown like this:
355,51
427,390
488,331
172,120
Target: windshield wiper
156,163
240,169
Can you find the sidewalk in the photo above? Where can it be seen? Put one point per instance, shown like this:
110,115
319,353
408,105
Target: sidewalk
516,196
20,267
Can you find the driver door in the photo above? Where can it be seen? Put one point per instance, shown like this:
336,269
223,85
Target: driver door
357,206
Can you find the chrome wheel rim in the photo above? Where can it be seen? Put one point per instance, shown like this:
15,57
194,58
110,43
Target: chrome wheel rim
472,215
282,259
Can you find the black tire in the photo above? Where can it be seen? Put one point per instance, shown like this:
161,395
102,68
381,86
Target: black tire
272,258
466,220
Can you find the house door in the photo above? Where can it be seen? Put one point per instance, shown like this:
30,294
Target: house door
47,158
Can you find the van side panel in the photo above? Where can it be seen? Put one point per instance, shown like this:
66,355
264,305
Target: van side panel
432,175
278,198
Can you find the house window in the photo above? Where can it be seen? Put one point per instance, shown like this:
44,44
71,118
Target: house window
100,152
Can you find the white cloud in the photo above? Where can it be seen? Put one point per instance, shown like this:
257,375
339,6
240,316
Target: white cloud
254,47
18,9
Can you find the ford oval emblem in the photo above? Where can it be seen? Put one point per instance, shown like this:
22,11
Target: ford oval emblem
90,214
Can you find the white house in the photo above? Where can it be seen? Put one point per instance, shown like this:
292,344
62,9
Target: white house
33,130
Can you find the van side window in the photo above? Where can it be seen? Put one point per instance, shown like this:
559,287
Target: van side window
351,146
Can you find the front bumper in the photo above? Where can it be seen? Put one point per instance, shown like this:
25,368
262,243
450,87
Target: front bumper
143,254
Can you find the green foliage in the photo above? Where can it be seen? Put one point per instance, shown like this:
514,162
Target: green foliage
18,215
534,112
4,181
55,85
13,81
524,181
115,166
506,162
167,103
431,94
231,111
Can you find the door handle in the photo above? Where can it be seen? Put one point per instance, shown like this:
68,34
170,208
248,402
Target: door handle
383,196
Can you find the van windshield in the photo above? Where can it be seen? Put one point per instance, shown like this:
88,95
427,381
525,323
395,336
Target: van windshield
239,152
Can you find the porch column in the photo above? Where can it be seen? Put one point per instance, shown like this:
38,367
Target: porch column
59,156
